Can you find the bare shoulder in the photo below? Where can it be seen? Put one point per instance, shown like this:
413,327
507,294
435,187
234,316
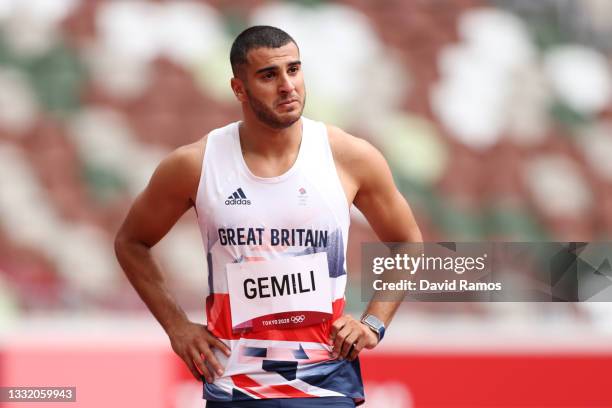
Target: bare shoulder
179,172
189,156
347,147
356,156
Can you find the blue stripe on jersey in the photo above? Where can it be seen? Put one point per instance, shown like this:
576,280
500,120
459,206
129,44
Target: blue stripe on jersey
342,376
300,354
286,369
255,351
240,396
209,261
335,254
213,392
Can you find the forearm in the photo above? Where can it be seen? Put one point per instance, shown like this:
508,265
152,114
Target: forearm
145,276
384,304
384,310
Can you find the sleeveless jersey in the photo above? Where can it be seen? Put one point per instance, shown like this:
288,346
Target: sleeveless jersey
248,221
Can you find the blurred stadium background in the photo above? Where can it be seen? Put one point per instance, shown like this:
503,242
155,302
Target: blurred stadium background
496,117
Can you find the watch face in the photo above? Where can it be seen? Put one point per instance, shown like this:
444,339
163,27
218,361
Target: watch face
373,322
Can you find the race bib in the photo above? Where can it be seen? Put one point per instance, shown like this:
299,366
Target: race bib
281,293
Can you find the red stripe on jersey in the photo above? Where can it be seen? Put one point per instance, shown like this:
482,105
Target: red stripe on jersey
220,323
267,391
246,383
254,258
291,391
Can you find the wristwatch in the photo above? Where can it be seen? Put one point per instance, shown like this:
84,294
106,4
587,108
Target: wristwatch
375,324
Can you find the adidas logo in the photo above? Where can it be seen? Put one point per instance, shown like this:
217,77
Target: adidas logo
238,198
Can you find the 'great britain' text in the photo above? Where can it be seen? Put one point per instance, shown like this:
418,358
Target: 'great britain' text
275,237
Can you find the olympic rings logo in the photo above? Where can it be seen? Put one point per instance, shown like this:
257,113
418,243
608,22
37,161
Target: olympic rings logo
297,319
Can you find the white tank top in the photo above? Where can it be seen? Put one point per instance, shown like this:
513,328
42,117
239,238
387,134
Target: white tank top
249,223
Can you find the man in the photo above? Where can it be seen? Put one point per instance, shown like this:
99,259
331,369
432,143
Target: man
272,195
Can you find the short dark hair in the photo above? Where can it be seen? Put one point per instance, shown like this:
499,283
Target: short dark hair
256,37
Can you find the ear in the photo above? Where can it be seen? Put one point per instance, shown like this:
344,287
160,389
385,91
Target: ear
238,89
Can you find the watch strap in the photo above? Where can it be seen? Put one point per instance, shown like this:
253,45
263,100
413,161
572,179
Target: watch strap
375,324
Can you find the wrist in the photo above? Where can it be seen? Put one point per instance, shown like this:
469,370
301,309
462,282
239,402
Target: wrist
175,326
375,325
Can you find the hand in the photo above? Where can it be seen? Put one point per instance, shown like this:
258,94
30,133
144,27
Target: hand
193,343
349,336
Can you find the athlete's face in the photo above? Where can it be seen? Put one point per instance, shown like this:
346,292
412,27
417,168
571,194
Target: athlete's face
271,85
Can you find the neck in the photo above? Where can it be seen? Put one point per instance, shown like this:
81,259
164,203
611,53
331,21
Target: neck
262,140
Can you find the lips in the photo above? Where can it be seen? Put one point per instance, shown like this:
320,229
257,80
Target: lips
288,102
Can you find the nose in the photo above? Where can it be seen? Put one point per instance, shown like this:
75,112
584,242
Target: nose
286,85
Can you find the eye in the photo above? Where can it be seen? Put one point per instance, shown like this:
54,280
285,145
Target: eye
294,69
268,75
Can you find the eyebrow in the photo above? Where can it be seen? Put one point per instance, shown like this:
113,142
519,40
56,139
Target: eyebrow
275,67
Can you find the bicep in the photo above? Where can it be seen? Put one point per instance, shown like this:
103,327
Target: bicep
385,208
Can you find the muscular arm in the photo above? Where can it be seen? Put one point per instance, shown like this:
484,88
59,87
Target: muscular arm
165,199
388,214
375,194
